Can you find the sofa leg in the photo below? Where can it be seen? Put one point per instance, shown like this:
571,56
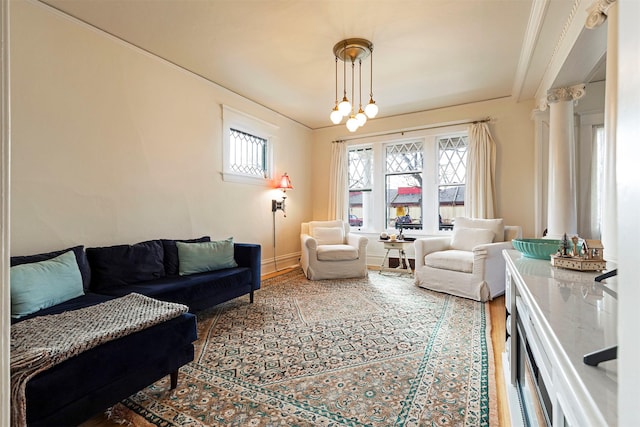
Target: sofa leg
251,297
174,380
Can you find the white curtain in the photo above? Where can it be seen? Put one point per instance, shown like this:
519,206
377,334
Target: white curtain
338,182
480,191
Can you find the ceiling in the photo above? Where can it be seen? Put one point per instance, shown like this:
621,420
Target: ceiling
427,54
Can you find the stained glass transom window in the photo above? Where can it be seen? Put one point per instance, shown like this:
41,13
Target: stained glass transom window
453,160
360,168
404,157
248,153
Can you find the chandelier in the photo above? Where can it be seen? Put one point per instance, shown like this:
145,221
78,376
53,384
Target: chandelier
353,50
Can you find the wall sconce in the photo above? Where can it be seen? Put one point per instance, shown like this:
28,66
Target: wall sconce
284,184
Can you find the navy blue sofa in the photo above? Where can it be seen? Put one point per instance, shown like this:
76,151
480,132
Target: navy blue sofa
83,386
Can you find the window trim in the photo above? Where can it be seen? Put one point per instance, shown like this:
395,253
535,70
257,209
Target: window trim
235,119
429,138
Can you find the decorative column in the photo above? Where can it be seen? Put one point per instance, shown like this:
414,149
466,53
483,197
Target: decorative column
562,214
599,12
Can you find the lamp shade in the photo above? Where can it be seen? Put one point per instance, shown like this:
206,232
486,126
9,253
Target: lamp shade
336,116
352,124
371,110
285,183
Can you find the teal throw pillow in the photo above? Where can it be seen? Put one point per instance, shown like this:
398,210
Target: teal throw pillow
205,256
43,284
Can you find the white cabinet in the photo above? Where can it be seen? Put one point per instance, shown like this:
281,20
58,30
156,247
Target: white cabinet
555,317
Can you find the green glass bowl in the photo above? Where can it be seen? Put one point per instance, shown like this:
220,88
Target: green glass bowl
537,248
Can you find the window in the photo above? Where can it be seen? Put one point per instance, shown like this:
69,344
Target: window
597,181
247,146
248,153
403,185
415,183
360,185
452,171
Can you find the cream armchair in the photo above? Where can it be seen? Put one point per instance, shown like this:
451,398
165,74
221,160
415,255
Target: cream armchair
468,263
330,252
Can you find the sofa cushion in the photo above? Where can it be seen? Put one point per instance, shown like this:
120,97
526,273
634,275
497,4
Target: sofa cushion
205,256
121,265
329,235
496,225
43,284
89,298
454,260
171,253
81,259
198,291
337,253
465,239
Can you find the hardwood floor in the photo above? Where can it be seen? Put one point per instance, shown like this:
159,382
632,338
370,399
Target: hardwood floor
498,328
497,312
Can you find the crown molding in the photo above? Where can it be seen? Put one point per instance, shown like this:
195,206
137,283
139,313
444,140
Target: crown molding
573,26
532,33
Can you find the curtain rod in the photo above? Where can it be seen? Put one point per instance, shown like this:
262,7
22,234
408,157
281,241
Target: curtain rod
402,132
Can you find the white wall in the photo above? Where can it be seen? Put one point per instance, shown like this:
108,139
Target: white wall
112,145
628,135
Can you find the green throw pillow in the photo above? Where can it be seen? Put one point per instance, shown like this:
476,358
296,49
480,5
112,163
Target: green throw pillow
43,284
205,256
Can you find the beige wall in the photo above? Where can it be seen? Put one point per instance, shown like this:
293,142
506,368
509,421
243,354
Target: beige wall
512,130
112,145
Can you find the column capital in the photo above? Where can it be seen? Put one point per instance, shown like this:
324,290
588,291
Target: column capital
569,93
597,13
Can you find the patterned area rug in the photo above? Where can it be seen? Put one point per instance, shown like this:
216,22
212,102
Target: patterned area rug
377,351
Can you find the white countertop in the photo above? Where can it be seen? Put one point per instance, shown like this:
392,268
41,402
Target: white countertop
578,316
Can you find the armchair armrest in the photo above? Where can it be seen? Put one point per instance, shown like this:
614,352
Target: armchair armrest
427,245
359,242
308,242
249,255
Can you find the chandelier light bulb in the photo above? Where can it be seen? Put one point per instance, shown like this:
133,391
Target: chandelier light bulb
352,124
336,116
371,110
344,107
361,117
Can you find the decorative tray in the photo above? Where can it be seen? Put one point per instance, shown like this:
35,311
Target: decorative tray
577,263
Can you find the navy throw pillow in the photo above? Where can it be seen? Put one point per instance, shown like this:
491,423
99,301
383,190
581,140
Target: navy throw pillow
81,258
171,261
121,265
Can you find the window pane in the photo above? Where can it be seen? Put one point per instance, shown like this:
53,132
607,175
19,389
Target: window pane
597,182
360,168
452,171
248,153
360,184
403,185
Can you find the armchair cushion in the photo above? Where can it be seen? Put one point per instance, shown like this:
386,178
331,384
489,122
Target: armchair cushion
329,235
337,253
465,239
454,260
496,225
